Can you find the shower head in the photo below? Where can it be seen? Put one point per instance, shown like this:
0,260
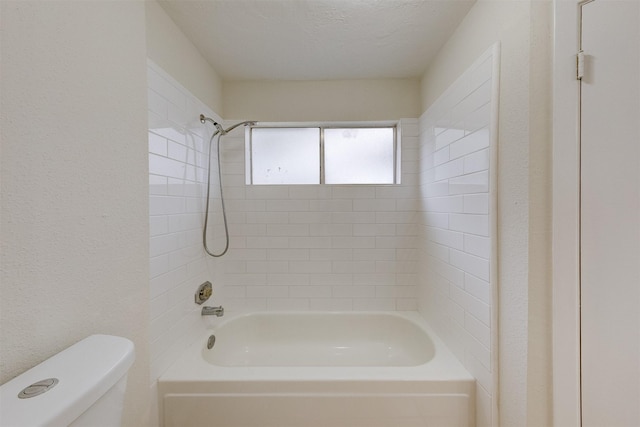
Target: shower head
220,129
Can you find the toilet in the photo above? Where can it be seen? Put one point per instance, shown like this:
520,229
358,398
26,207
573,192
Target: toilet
81,386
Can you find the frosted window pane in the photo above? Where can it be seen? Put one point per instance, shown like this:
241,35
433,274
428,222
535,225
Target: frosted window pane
285,155
358,156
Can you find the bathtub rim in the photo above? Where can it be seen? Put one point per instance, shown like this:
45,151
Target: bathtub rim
191,367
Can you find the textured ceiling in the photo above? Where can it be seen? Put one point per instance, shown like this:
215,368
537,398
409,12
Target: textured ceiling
317,39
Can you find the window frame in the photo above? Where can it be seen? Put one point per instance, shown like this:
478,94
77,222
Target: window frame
322,126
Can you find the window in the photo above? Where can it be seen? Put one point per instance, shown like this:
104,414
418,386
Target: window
321,155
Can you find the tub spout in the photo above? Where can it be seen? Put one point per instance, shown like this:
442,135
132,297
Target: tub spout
213,311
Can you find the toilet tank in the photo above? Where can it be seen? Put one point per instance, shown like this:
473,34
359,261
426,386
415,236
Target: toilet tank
83,385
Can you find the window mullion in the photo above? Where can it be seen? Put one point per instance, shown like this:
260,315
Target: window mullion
322,155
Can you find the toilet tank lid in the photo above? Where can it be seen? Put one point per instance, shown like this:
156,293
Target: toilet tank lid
85,371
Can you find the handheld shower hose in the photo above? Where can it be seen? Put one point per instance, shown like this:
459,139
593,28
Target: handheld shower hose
219,132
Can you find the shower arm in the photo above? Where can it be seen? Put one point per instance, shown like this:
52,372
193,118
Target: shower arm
220,130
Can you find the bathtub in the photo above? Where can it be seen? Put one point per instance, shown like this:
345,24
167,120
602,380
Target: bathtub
350,369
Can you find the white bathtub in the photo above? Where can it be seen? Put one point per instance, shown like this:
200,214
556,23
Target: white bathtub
318,370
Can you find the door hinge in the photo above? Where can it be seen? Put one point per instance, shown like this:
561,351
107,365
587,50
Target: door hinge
580,65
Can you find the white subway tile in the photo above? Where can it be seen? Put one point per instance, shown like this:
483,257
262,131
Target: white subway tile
274,205
331,304
331,254
395,192
166,89
449,272
158,265
157,144
478,309
310,267
288,279
310,191
287,230
353,192
449,204
470,223
257,279
448,238
354,291
477,161
267,191
478,288
395,217
159,165
331,229
353,217
372,279
353,242
163,244
269,217
287,304
447,137
341,267
477,245
374,229
441,156
374,205
407,229
309,291
313,218
374,304
449,169
406,304
478,119
264,242
475,141
337,205
157,185
378,254
396,241
267,291
331,279
249,254
476,203
158,225
288,254
407,204
310,242
477,266
478,330
473,183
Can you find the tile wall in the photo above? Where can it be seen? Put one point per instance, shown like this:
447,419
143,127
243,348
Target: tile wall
318,247
456,214
176,187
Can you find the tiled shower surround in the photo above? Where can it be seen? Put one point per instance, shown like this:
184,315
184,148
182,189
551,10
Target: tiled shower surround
293,247
318,247
456,275
176,187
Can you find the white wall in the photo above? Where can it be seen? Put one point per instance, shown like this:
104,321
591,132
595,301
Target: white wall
318,247
523,210
457,223
74,182
335,100
170,49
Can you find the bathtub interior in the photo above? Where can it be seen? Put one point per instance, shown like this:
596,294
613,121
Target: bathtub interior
437,392
315,339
